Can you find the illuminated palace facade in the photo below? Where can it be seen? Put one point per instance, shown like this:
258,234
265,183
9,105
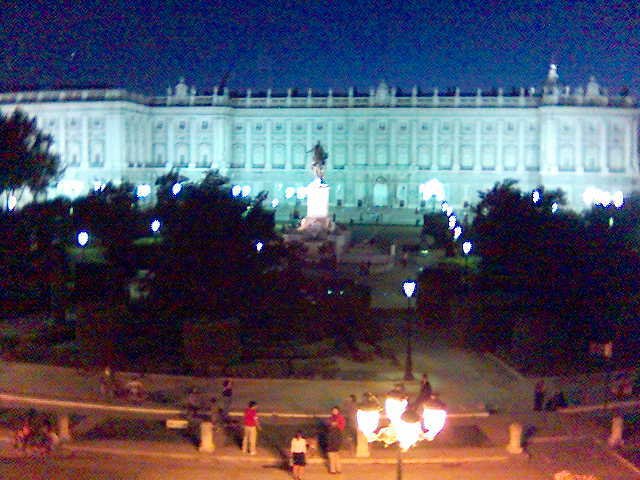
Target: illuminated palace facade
388,151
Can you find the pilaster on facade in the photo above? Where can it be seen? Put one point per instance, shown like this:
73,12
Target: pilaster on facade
499,165
579,146
456,154
604,150
194,151
248,157
268,144
288,125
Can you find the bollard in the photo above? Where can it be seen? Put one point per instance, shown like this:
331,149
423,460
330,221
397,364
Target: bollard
515,439
63,428
362,445
615,439
206,438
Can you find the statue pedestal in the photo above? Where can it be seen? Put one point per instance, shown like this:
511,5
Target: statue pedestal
317,229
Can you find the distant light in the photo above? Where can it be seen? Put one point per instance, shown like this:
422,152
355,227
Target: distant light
618,199
13,201
452,222
155,225
98,186
449,211
246,190
610,222
274,203
289,192
83,238
259,246
301,192
433,189
71,188
457,232
444,206
176,189
329,292
466,247
535,196
143,190
554,207
236,190
409,288
595,196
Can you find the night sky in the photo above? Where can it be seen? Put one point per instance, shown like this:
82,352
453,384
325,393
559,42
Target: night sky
145,46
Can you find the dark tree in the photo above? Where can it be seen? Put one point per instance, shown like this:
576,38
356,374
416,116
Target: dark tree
26,161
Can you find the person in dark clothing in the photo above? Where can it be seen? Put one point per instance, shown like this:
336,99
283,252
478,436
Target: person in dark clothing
227,396
538,396
425,388
334,443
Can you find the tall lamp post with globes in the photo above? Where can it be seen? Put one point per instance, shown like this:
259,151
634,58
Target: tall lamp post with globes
404,424
409,289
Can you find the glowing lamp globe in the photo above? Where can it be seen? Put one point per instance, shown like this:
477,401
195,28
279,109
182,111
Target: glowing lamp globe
408,430
394,407
83,238
409,288
535,196
176,189
466,247
155,226
368,419
434,417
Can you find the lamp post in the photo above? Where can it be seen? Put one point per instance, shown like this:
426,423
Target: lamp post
466,249
82,239
409,288
405,426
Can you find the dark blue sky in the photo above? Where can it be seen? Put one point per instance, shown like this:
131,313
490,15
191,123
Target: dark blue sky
145,46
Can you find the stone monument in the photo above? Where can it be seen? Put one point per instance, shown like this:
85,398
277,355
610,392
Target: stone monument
317,228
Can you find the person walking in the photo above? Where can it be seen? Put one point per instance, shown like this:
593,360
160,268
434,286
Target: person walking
227,396
538,396
334,440
350,409
298,455
425,388
251,424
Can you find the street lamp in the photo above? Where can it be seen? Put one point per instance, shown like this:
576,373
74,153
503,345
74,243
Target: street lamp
406,426
409,288
155,226
466,249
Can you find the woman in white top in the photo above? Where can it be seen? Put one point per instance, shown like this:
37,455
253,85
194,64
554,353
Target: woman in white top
298,455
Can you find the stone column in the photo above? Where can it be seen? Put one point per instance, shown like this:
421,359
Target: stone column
615,439
362,445
515,438
206,438
63,428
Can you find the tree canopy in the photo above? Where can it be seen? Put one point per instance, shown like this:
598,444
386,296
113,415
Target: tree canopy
26,160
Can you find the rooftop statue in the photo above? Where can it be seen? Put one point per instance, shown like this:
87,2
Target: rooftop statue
319,162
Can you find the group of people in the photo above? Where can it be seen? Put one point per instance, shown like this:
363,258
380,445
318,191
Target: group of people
36,436
555,401
300,445
110,387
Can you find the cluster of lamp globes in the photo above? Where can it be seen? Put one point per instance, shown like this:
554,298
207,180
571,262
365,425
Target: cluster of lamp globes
401,423
454,227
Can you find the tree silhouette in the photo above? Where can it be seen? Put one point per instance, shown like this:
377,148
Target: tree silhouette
26,161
